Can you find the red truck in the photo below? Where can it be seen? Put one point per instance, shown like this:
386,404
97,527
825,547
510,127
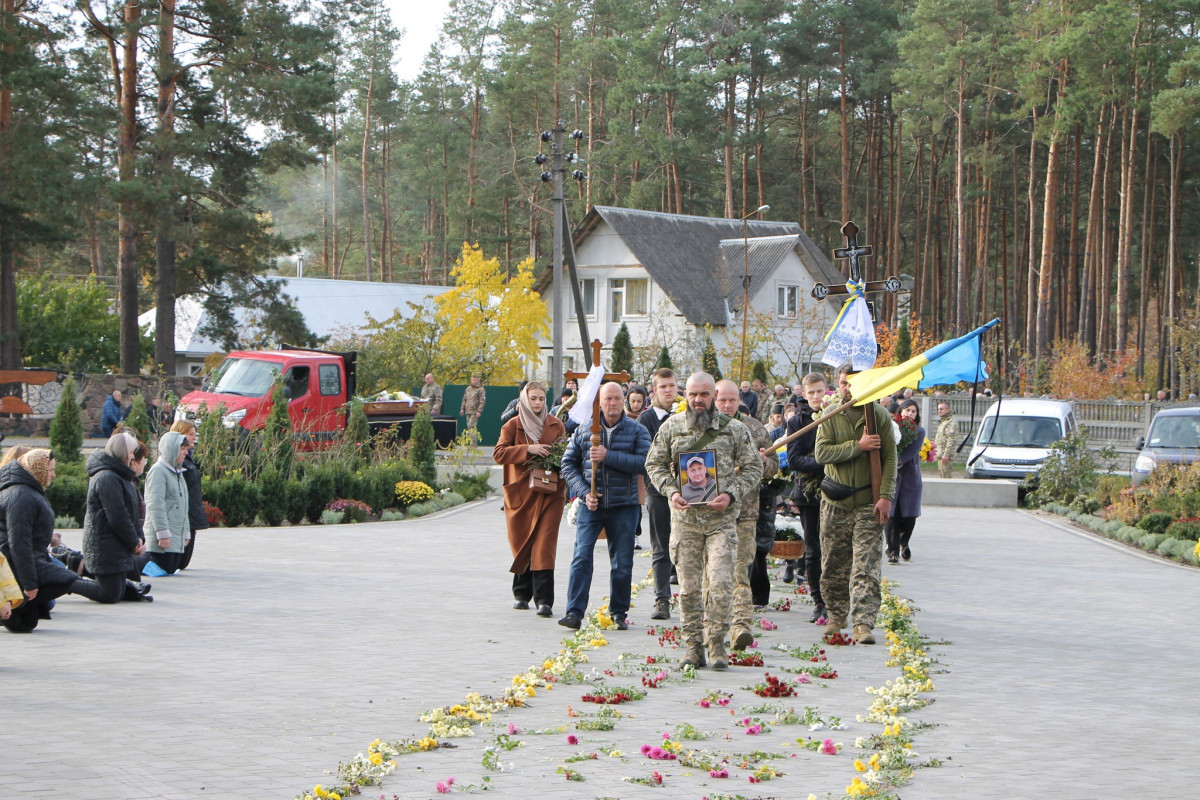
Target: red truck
317,384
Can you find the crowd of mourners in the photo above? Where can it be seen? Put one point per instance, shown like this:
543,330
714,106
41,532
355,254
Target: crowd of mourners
703,467
132,529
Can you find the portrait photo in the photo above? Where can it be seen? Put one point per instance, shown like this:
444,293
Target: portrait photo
698,477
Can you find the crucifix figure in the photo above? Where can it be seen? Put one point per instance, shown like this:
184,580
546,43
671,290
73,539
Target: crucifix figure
619,377
852,252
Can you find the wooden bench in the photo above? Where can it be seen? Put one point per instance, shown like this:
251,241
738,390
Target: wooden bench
11,404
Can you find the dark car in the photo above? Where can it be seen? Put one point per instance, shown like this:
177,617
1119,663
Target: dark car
1174,437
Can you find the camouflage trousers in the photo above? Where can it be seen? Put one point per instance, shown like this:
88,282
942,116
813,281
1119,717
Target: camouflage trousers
945,469
702,548
743,598
851,562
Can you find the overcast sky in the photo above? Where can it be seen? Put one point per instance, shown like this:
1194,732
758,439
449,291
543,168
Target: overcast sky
421,20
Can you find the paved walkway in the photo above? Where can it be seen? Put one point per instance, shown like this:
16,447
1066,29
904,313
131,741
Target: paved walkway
1070,671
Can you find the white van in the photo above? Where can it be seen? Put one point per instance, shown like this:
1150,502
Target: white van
1016,442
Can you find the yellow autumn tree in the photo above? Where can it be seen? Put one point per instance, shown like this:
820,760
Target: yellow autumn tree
490,323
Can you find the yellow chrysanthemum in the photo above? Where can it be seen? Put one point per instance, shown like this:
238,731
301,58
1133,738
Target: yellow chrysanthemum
859,766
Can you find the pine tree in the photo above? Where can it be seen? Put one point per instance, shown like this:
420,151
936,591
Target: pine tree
66,429
903,351
758,372
422,442
277,435
139,418
664,359
622,351
709,359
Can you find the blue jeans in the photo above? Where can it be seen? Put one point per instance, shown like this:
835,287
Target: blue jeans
619,524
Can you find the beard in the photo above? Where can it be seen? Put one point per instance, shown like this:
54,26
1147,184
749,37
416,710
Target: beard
700,419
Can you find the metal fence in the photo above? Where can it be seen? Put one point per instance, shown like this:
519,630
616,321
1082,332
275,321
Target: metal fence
1115,423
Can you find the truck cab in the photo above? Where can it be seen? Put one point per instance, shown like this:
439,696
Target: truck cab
315,383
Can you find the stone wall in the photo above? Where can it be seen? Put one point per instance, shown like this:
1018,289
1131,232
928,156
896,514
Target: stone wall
92,390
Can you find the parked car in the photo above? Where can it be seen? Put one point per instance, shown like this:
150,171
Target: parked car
1015,442
1174,437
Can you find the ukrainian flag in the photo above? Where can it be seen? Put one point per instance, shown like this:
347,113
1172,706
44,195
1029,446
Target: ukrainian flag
946,363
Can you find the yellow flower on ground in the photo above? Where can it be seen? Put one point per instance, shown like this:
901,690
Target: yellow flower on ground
859,766
376,758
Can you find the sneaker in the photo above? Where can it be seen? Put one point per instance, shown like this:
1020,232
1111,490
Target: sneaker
662,610
818,613
622,624
905,553
789,573
741,640
863,635
694,657
570,621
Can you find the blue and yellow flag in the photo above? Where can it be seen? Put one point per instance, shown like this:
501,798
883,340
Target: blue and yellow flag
946,363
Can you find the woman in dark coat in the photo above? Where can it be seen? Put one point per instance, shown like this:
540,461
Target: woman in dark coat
26,525
197,518
907,505
532,517
112,536
802,459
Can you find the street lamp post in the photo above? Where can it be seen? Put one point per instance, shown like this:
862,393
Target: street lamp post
746,283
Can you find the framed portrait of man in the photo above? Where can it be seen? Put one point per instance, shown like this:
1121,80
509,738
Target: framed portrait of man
698,477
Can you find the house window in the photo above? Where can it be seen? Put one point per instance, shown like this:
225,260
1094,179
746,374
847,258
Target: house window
627,297
587,290
788,300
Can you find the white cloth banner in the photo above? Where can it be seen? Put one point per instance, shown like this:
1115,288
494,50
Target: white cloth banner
852,340
581,412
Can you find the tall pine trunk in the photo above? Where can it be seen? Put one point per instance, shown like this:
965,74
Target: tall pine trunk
10,340
127,267
164,164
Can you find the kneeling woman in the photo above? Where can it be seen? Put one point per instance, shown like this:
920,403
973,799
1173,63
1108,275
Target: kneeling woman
533,517
112,534
26,525
167,530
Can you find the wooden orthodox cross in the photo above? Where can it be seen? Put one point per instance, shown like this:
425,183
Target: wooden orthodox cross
620,377
852,253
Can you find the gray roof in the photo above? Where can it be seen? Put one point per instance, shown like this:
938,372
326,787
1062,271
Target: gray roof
682,254
766,253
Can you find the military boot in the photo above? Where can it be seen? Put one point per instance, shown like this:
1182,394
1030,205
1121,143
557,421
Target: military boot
716,653
834,626
695,656
742,638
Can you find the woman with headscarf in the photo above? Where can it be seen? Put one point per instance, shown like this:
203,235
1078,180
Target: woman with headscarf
532,517
166,528
907,505
112,533
26,525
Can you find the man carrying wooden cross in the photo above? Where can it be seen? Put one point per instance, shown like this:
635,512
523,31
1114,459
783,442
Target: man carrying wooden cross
605,474
854,509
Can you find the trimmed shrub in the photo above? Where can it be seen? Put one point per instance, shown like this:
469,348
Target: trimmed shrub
331,518
1187,530
272,489
277,433
351,510
296,501
391,515
320,489
237,497
1155,522
1128,533
1151,541
417,510
66,429
423,446
452,499
68,496
411,492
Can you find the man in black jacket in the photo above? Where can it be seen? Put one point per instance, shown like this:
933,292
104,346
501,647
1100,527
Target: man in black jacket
658,510
807,495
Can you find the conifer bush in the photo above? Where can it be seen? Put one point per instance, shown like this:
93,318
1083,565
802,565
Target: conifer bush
66,429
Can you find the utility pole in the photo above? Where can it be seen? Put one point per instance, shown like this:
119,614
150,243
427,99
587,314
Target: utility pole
554,176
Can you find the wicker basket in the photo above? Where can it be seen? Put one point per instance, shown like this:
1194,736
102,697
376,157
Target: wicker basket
789,550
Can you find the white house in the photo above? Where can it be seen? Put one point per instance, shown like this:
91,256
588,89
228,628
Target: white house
668,276
328,306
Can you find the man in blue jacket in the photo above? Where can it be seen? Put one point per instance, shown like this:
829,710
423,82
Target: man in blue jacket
111,415
619,459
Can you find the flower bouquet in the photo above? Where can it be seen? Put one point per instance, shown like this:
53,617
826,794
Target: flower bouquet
927,451
789,542
908,433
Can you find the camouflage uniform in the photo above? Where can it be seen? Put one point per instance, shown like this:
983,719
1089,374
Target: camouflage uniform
433,393
474,398
703,540
851,538
747,525
766,399
947,433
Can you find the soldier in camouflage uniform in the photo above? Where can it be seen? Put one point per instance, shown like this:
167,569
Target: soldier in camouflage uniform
704,538
474,399
852,527
944,439
432,391
747,521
